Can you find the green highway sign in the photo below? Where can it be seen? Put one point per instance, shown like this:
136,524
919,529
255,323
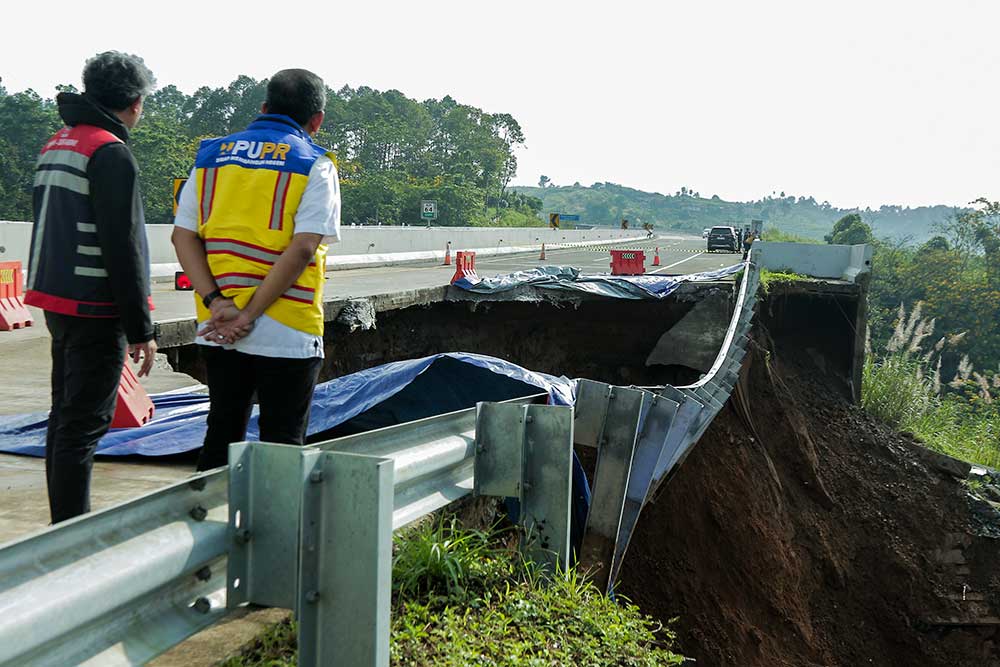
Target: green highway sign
428,210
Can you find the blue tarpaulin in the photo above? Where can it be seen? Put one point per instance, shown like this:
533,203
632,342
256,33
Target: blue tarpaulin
381,396
568,278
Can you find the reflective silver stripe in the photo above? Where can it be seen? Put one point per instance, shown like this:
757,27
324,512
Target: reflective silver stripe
208,189
253,253
63,157
239,281
300,294
90,272
278,206
92,250
252,281
39,238
88,227
62,179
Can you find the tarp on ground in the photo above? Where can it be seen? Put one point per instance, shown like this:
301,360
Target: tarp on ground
381,396
568,279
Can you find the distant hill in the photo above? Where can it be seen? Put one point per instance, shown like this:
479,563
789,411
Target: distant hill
605,204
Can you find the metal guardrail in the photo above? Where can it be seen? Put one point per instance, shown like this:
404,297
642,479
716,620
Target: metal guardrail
310,528
117,587
642,436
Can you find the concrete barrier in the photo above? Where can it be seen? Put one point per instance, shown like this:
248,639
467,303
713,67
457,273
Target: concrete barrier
842,262
361,247
15,241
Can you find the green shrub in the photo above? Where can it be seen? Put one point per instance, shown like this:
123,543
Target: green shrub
903,388
769,278
463,597
437,557
896,391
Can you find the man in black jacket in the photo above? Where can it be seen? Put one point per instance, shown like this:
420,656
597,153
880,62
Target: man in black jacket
89,268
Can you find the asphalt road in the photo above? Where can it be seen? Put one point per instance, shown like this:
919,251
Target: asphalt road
678,255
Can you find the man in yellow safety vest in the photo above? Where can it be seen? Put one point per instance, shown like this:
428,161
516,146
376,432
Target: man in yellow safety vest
251,233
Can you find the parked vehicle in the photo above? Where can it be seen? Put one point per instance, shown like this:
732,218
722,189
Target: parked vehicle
723,238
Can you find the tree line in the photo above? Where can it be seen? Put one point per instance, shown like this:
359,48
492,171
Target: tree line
392,151
951,282
690,210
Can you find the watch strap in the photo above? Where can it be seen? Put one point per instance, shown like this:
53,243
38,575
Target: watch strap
210,297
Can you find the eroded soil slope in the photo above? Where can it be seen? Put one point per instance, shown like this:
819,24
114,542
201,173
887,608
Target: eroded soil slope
808,534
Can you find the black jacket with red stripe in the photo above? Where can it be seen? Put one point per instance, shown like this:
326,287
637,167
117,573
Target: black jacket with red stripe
89,255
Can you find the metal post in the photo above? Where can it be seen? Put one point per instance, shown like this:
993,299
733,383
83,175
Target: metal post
651,442
345,567
547,487
526,452
265,482
616,447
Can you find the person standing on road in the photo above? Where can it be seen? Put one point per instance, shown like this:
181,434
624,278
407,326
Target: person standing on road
89,268
251,232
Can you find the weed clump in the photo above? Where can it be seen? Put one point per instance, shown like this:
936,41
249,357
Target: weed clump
903,387
466,597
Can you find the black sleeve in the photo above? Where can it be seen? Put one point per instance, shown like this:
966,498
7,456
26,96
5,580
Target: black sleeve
114,194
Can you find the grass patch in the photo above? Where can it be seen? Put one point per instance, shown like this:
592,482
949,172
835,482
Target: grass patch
770,278
464,597
775,234
896,390
952,429
904,389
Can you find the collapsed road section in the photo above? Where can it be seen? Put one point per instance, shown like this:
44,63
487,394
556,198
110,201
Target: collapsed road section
759,542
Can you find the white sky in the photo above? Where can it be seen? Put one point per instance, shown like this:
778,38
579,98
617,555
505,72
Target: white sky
858,103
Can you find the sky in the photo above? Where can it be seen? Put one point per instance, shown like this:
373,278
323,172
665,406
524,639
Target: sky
857,103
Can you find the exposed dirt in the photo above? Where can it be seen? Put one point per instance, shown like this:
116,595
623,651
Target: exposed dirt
816,536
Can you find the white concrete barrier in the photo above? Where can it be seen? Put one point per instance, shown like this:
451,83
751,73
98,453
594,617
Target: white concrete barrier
15,241
367,246
843,262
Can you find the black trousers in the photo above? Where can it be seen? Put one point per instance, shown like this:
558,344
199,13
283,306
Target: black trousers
284,389
87,359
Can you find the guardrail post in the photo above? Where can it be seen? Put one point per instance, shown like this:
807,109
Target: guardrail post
648,448
345,560
526,452
616,442
265,497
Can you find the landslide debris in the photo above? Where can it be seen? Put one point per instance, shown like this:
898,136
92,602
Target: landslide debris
810,534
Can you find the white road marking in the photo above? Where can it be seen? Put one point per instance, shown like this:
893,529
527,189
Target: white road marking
664,268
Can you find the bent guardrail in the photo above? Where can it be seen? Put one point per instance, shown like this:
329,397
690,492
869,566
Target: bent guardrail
310,528
643,436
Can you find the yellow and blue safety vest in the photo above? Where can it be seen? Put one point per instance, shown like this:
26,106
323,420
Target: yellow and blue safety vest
249,186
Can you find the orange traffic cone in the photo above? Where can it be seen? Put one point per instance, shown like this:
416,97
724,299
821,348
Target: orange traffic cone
542,256
656,257
447,254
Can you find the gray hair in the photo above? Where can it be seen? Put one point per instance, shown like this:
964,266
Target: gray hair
116,80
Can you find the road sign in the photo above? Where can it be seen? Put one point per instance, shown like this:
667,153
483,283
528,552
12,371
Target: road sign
428,210
569,218
178,186
554,220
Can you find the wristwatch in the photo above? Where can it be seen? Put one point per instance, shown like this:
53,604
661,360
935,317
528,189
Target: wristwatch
210,297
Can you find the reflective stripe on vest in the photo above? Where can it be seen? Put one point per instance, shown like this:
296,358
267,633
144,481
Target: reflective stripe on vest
295,292
208,177
245,250
278,202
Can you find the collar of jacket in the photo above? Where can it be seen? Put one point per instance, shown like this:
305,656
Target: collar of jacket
76,109
276,121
